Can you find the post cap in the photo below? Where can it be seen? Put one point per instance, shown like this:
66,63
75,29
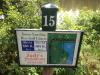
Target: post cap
49,6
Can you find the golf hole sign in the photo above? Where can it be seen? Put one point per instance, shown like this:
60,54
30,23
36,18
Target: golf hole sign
48,48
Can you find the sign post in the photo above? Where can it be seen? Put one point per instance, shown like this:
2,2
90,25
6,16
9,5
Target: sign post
47,71
49,15
48,48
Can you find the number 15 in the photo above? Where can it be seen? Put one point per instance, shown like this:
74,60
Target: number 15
51,21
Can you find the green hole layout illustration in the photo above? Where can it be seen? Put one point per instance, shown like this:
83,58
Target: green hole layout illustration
48,48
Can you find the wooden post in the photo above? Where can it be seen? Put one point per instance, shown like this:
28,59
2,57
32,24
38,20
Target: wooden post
47,71
49,17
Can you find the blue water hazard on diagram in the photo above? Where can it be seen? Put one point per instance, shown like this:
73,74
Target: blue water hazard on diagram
69,48
27,45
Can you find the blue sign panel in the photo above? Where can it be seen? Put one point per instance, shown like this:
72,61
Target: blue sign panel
69,48
27,45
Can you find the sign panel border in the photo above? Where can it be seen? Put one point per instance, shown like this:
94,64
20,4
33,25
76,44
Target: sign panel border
58,31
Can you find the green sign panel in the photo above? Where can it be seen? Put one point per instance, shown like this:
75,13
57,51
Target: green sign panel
48,48
61,48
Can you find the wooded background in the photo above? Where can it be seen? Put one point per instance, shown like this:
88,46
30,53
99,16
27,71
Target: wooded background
25,14
79,4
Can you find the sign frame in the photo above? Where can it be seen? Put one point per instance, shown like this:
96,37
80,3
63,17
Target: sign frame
57,31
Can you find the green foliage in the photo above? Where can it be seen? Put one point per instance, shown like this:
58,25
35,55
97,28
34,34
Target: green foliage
88,21
26,14
19,14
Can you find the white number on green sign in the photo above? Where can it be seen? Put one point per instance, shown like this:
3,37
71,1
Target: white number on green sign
51,21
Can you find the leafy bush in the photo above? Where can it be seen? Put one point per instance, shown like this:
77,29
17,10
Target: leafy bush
88,21
8,47
23,14
19,14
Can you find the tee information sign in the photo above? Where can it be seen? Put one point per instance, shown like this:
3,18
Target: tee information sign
48,48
